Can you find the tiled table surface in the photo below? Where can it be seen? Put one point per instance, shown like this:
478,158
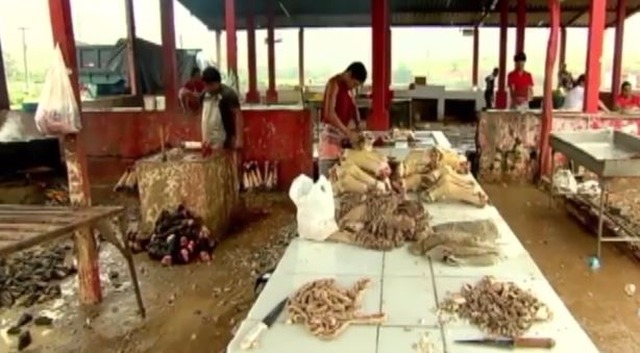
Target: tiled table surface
407,288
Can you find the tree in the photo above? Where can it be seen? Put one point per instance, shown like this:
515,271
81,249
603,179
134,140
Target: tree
402,74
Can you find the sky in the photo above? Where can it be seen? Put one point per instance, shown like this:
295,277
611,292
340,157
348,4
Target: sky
422,49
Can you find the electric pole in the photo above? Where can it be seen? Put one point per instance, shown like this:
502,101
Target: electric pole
24,57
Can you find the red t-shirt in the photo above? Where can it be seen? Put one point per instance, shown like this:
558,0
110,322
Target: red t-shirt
521,81
632,101
195,85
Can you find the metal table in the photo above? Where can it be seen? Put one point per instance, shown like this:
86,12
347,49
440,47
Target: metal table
608,154
25,226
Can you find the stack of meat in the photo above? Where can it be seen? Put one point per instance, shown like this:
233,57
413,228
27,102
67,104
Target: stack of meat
179,237
438,174
360,171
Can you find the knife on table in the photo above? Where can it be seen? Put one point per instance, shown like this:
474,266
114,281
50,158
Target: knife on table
521,342
252,336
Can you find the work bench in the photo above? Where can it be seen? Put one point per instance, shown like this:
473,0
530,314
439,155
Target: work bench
407,289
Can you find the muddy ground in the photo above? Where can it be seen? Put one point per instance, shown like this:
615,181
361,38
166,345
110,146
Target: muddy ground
194,308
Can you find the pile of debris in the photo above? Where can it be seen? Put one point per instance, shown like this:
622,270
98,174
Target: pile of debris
179,237
380,220
326,309
497,308
34,276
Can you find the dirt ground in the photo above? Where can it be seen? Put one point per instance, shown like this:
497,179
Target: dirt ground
195,308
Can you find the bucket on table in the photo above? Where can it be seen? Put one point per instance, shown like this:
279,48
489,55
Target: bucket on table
160,102
149,102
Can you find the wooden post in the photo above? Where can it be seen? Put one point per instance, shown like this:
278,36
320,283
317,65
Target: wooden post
253,95
476,56
232,43
597,18
272,93
616,75
170,63
4,92
547,103
76,160
131,48
501,94
521,25
301,58
218,49
379,119
563,45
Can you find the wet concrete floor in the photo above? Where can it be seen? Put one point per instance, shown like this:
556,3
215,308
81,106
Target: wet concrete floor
195,308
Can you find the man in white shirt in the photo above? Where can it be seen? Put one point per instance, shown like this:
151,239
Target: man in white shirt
574,100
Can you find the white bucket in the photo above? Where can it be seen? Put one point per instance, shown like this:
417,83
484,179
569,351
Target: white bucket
160,102
149,102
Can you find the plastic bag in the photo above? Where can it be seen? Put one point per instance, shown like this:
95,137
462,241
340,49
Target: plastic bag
58,112
315,207
564,182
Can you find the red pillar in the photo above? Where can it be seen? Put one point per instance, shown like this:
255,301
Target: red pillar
389,70
253,95
521,25
598,12
76,160
301,58
563,45
4,92
501,94
547,104
379,119
476,56
232,43
132,67
170,63
616,77
272,93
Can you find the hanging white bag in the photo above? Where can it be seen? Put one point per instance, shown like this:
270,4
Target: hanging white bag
58,112
315,207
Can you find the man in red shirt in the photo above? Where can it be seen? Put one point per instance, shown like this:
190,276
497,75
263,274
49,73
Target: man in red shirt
191,92
627,100
520,83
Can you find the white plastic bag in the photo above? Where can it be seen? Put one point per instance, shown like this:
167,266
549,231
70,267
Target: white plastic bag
57,112
316,207
564,182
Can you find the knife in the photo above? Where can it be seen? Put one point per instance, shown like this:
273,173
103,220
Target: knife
252,336
522,342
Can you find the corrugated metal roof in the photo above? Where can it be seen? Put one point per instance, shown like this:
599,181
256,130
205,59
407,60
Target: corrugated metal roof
351,13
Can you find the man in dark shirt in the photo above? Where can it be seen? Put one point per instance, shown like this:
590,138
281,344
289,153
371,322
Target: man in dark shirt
489,89
228,102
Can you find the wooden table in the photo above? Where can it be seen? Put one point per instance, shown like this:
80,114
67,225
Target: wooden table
25,226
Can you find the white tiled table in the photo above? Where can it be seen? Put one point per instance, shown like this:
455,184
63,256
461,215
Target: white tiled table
407,288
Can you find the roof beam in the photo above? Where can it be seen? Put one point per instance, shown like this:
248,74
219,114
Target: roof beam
576,17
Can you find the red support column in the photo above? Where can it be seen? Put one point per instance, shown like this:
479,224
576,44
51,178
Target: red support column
501,94
301,58
476,56
170,63
597,17
616,77
4,92
90,291
379,119
521,25
389,71
132,67
232,43
253,95
563,45
547,104
272,93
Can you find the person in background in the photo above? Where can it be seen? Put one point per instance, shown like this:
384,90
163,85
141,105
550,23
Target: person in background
565,79
190,94
339,110
627,100
489,88
222,123
520,83
574,99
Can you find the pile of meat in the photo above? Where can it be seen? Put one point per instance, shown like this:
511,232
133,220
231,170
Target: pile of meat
326,309
467,243
438,174
497,308
380,220
179,237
